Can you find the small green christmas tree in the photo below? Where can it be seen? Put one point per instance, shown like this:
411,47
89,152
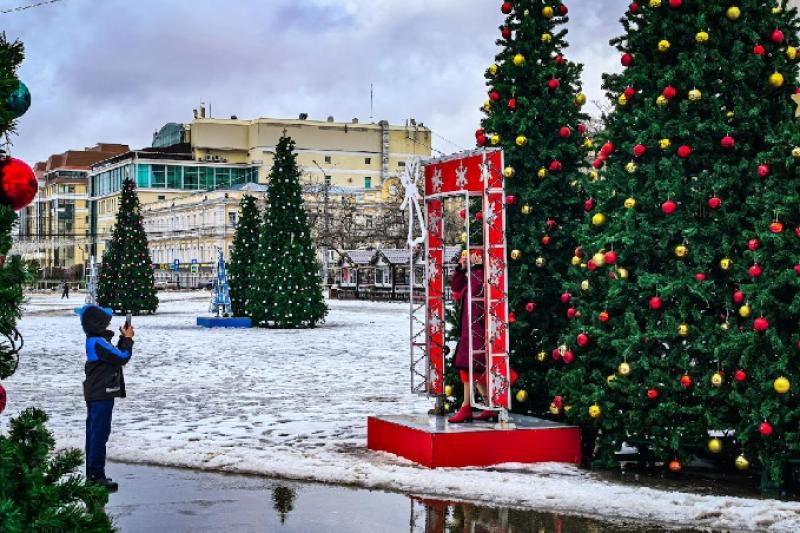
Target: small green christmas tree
243,254
126,282
286,288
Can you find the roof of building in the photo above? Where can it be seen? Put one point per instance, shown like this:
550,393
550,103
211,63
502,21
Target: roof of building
83,159
395,256
360,257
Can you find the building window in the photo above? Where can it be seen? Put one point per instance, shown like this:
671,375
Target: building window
401,164
327,159
232,218
161,197
367,160
327,180
367,182
368,221
159,175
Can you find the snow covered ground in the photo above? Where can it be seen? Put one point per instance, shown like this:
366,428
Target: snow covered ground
294,404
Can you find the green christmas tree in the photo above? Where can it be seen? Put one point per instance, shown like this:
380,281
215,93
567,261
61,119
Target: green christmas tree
243,254
126,282
286,289
688,297
534,114
39,489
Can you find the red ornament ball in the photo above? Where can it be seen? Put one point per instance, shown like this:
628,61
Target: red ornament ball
655,303
582,128
669,92
482,140
686,381
797,232
740,375
727,142
559,59
582,340
669,207
588,205
512,317
572,313
700,276
610,257
546,240
639,150
598,163
555,165
755,271
629,92
763,170
607,149
511,199
627,59
777,36
675,4
797,269
765,429
556,353
505,32
776,227
568,357
759,50
591,265
530,307
760,324
753,244
494,96
675,466
603,316
512,103
17,183
2,398
564,132
633,8
738,297
652,394
714,202
554,83
550,223
566,297
563,10
506,7
684,151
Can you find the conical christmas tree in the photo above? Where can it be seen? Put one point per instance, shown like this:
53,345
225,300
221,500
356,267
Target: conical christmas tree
243,254
688,295
534,114
126,282
286,287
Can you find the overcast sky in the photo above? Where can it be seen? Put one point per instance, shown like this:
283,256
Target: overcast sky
116,70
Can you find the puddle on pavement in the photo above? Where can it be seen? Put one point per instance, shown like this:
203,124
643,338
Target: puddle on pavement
154,499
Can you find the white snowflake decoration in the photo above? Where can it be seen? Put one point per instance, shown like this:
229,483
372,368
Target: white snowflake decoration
495,271
496,328
436,180
434,223
461,175
433,270
491,215
436,324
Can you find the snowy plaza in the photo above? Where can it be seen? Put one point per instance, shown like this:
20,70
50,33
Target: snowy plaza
294,404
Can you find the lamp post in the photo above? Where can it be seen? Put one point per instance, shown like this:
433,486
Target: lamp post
324,244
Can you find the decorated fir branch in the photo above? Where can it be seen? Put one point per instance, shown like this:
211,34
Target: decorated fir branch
534,114
685,291
286,291
126,283
243,254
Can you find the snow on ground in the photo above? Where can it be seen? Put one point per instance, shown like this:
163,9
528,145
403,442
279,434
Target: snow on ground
294,404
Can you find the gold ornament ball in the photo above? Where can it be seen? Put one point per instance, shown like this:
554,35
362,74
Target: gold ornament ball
599,259
715,445
464,236
576,260
744,311
540,262
585,285
448,390
493,69
622,100
526,209
665,144
519,60
553,409
717,379
547,12
464,253
522,396
791,52
733,13
487,105
777,10
624,369
681,251
796,152
610,378
662,100
629,203
701,37
742,463
495,139
598,219
515,255
630,167
521,140
580,99
541,356
509,172
655,3
776,79
447,408
595,411
542,172
730,115
664,45
622,273
781,385
724,326
695,95
567,408
683,330
547,38
725,263
594,175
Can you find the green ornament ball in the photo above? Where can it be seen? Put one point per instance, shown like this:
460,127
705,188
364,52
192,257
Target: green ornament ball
19,100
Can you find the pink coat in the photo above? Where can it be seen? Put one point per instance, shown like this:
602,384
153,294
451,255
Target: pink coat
458,283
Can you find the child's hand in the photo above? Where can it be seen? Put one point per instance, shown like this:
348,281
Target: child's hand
127,332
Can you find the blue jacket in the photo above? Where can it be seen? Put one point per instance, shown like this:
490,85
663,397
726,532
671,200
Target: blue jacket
104,361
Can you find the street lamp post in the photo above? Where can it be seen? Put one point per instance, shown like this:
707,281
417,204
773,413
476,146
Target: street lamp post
326,225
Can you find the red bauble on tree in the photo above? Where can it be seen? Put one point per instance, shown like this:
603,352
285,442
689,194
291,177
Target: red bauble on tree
728,142
563,10
686,381
655,303
763,170
738,297
610,257
652,394
588,205
714,202
629,92
506,7
512,103
626,60
559,59
639,150
776,227
530,307
568,357
572,313
740,375
765,429
669,92
17,183
633,8
675,4
759,50
607,149
564,132
554,84
669,207
753,244
700,276
755,271
684,151
506,32
582,340
761,324
566,297
2,398
555,165
777,36
494,96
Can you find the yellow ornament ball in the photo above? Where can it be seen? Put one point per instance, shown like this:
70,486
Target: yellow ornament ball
629,203
585,285
547,12
610,378
724,326
744,311
493,68
796,152
521,140
547,38
509,172
519,60
495,139
695,95
595,411
665,144
730,115
683,330
448,390
516,255
791,52
733,13
487,105
717,380
622,273
781,385
776,79
664,45
742,463
598,219
540,262
624,369
522,396
526,209
542,172
599,259
726,263
662,100
655,3
777,10
622,100
576,260
715,445
594,175
701,37
580,99
630,167
681,250
447,407
553,409
541,356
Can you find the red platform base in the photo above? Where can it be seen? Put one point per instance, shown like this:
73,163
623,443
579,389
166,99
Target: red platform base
433,442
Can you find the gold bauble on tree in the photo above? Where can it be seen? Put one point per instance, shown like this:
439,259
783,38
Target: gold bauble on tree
630,167
624,369
701,37
526,209
522,396
781,385
733,13
448,390
717,380
742,463
655,4
744,311
715,445
516,255
695,95
519,60
725,263
662,100
796,152
580,99
622,100
576,260
791,53
521,140
629,203
547,12
542,172
681,251
546,38
665,144
540,262
585,285
487,105
541,356
493,69
776,79
594,175
595,411
509,172
598,219
599,259
622,273
495,139
664,45
683,330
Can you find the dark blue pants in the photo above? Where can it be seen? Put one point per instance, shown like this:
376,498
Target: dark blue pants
98,428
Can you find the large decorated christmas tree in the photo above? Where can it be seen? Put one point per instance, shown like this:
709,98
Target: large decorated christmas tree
534,114
687,281
40,490
243,254
286,287
126,282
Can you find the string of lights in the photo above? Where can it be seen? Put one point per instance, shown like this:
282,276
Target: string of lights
29,6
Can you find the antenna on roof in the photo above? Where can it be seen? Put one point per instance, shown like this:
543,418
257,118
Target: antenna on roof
371,101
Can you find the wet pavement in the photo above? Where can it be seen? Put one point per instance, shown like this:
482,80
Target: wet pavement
156,499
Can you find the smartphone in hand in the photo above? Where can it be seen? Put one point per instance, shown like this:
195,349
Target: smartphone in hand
128,320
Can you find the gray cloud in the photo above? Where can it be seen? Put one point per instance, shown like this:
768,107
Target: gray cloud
116,70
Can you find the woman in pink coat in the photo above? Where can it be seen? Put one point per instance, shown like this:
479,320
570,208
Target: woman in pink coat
474,332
